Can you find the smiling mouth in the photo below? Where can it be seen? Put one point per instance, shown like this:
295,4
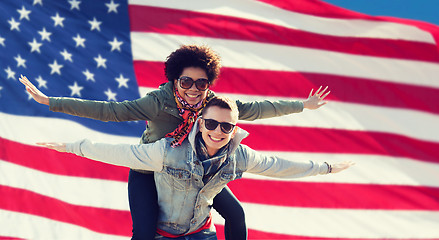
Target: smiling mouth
192,95
214,139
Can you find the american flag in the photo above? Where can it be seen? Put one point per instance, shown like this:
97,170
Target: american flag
383,112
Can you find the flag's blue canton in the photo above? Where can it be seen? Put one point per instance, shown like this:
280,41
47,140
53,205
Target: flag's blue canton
67,48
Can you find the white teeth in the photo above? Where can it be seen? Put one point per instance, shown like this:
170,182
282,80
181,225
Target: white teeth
190,95
215,139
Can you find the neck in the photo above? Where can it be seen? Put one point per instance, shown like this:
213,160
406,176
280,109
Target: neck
211,152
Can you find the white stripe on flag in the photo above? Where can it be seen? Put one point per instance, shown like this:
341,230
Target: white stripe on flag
35,227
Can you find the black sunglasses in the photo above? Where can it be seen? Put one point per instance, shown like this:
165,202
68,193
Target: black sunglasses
211,124
187,82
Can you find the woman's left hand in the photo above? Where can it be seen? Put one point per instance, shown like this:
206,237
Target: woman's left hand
316,101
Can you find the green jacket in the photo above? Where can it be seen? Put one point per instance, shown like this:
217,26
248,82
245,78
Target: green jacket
160,110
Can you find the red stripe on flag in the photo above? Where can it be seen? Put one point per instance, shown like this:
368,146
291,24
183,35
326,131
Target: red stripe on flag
296,84
259,235
51,161
10,238
96,219
336,195
191,23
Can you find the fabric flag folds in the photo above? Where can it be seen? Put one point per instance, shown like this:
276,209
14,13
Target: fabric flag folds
382,112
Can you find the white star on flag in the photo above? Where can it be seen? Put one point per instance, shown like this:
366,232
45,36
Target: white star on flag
79,41
112,7
74,4
111,95
122,81
24,13
100,61
58,20
41,82
35,46
14,25
45,35
20,61
66,55
40,2
76,89
55,68
95,24
115,44
11,74
88,75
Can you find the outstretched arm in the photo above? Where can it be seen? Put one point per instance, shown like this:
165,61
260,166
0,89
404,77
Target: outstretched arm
34,91
145,108
274,166
250,111
141,156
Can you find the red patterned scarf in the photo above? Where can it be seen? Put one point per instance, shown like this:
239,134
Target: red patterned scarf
189,114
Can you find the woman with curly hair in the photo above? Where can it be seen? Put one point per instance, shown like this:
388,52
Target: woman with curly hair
171,111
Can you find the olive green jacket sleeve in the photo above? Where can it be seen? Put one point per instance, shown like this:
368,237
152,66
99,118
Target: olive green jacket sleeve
250,111
146,108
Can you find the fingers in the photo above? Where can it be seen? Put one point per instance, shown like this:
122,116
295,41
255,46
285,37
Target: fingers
45,144
320,93
29,86
325,95
310,94
318,90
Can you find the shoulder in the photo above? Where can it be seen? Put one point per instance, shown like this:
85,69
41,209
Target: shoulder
164,92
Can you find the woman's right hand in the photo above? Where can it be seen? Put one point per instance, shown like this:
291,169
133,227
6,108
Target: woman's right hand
34,92
60,147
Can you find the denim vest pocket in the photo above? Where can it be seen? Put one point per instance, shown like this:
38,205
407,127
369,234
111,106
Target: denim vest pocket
179,179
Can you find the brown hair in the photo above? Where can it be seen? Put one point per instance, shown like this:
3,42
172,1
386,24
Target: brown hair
193,56
222,102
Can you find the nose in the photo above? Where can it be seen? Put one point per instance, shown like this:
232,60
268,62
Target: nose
193,87
218,129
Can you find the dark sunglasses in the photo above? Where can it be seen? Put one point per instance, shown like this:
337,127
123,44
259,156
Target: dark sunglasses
211,124
187,82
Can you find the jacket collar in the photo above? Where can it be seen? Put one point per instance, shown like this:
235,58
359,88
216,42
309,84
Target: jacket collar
234,142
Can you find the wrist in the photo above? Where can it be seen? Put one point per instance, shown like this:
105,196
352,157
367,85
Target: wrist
329,168
45,101
305,104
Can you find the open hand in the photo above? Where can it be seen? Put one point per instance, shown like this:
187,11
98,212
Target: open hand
60,147
338,167
33,91
315,101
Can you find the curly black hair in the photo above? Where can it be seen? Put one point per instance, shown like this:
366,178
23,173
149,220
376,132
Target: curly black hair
193,56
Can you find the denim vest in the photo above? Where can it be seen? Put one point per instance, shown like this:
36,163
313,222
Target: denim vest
185,201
